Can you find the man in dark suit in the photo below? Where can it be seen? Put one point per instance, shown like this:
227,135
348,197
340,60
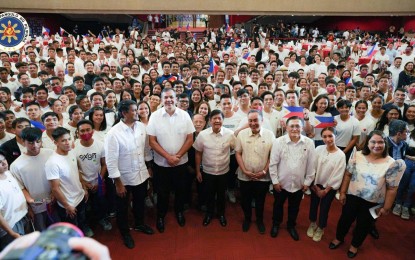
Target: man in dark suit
11,148
399,97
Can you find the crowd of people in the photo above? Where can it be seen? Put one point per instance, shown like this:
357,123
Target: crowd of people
88,125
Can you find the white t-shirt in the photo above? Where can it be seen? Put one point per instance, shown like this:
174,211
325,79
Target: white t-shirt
232,122
13,205
47,142
89,160
65,169
29,172
346,130
6,138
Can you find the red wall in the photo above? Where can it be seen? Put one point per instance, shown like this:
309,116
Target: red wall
409,23
234,19
365,23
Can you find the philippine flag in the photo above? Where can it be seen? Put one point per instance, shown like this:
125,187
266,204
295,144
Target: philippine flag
213,68
294,111
227,27
323,121
187,26
45,31
372,51
246,56
61,31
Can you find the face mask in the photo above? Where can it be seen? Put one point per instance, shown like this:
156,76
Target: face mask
86,137
363,74
330,90
408,52
26,101
217,98
57,90
412,91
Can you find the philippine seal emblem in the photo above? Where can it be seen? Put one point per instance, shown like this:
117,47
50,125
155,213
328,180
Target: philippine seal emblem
13,31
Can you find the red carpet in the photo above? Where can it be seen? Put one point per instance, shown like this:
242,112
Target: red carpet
397,238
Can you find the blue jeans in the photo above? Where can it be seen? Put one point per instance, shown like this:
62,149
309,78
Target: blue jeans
407,184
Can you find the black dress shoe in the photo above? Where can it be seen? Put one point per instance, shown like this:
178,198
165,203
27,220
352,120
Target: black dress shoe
335,246
128,241
374,232
222,221
261,227
180,219
206,220
274,230
293,233
160,225
245,225
350,254
145,229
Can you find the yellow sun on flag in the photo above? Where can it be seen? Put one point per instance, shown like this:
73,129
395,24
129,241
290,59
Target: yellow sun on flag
9,31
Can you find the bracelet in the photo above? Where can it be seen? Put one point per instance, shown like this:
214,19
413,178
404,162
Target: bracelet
264,172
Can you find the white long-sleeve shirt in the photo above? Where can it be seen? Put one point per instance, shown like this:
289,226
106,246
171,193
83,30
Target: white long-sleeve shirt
125,153
329,167
292,164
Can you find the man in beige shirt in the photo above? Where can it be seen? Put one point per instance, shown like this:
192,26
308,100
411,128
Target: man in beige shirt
253,147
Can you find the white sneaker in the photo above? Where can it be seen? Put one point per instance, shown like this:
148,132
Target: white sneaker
105,224
397,210
405,213
318,235
231,196
311,229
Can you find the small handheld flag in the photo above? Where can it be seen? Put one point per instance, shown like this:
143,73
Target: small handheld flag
45,31
294,111
213,68
323,121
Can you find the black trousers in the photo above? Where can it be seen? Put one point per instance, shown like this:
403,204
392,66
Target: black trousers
79,220
324,204
138,192
253,190
357,209
215,186
170,179
231,175
294,200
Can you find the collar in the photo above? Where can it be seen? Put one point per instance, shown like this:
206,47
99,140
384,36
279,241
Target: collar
288,140
252,134
211,131
126,127
164,112
395,144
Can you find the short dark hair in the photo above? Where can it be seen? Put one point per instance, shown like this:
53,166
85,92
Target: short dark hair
45,115
31,134
59,132
343,103
124,106
83,122
216,112
18,121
